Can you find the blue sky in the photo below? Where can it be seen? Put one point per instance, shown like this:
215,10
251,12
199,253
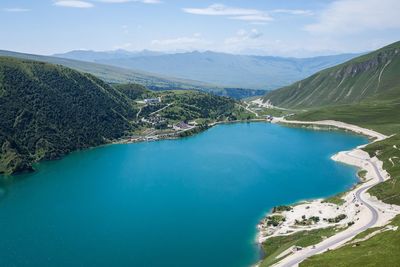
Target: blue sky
265,27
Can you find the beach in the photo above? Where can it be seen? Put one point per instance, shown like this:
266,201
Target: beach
357,212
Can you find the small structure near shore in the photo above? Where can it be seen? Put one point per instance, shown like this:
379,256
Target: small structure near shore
182,126
269,117
152,100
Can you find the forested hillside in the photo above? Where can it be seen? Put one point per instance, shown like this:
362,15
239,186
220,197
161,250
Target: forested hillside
48,111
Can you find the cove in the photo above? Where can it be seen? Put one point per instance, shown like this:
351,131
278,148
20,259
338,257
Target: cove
189,202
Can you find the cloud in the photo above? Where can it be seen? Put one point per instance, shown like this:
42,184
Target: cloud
127,1
16,9
151,1
294,11
355,16
243,36
74,4
253,18
245,14
185,42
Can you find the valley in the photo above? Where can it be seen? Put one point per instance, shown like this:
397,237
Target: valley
204,134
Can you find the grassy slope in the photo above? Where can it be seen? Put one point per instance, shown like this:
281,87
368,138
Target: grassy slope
274,246
382,116
380,250
369,77
389,152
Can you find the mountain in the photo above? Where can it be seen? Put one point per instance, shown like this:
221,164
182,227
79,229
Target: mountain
48,111
93,56
364,91
225,70
374,76
112,74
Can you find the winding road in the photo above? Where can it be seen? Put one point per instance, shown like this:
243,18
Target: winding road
249,109
294,260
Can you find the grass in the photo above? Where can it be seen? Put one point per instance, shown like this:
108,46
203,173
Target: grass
388,191
274,246
336,199
361,174
359,79
381,116
379,250
383,248
273,112
356,93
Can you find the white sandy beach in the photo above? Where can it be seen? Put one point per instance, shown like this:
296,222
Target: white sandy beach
359,207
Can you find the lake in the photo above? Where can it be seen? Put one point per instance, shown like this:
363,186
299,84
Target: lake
190,202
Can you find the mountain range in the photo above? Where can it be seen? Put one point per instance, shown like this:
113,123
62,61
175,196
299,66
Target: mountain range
114,75
221,69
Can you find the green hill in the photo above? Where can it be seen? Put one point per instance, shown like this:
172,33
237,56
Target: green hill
371,77
113,75
48,111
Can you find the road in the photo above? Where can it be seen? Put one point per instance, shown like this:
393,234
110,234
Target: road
248,109
155,112
295,260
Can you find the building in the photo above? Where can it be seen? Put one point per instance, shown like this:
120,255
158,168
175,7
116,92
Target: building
182,126
152,100
269,117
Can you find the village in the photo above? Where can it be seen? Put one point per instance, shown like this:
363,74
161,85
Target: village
157,126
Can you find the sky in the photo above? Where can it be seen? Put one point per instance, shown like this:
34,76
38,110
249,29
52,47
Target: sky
291,28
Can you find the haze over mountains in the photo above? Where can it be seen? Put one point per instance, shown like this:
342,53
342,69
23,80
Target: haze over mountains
112,75
225,70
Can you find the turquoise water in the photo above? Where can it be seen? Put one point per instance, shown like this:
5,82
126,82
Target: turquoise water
187,202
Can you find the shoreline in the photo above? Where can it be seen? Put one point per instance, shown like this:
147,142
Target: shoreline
360,159
177,134
361,210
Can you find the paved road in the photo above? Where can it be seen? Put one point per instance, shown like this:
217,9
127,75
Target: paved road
341,238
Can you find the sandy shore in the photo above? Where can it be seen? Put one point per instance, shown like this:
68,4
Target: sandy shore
338,124
361,210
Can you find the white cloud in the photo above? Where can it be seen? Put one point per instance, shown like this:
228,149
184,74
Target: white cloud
151,1
231,12
74,3
242,36
185,43
294,11
354,16
16,9
253,18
